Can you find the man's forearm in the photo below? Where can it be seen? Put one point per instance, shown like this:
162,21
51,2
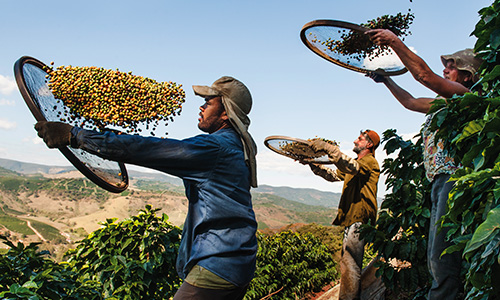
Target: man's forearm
325,172
347,164
406,99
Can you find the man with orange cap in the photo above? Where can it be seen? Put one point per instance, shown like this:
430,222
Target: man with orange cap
459,75
358,203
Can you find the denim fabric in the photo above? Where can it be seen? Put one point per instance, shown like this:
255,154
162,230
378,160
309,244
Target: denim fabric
445,270
219,230
351,263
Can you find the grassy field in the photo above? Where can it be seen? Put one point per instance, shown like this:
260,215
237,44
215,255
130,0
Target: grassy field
14,223
48,232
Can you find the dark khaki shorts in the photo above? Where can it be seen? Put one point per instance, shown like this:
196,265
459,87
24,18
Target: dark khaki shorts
191,292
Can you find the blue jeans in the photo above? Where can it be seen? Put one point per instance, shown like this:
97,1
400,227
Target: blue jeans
445,270
351,263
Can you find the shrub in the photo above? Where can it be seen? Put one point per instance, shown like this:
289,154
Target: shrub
289,265
131,259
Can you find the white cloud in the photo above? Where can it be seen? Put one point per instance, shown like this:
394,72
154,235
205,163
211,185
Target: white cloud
270,161
37,141
5,102
5,124
7,85
33,140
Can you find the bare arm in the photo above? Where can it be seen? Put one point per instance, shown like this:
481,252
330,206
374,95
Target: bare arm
416,65
421,105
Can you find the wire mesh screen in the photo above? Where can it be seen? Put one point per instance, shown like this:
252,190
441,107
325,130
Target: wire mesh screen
350,47
54,110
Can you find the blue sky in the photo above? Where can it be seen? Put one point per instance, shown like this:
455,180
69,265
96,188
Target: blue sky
296,93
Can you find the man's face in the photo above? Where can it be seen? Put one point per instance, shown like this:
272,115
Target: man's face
451,72
212,115
361,143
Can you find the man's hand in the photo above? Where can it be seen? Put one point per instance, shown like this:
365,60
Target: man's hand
54,134
382,37
331,150
315,168
376,77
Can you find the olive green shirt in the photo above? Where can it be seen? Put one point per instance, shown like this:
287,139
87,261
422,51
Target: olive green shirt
358,202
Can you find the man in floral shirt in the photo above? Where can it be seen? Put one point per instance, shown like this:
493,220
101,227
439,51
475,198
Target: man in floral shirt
459,75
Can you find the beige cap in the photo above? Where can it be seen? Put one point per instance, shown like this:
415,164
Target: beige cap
229,87
465,60
237,102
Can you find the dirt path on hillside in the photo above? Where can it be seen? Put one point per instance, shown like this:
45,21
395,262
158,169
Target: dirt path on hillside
35,231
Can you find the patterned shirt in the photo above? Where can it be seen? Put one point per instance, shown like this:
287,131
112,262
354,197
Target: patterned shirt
436,159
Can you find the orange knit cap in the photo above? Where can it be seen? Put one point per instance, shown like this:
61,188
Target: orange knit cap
374,137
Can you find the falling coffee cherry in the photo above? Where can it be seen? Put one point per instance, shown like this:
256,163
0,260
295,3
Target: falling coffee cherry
98,97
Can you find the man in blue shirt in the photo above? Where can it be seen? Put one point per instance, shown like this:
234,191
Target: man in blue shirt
218,249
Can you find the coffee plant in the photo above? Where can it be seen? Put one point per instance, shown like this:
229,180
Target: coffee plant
289,265
27,273
135,259
400,233
132,259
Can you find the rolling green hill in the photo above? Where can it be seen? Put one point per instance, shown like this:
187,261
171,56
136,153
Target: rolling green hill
63,209
305,196
161,181
30,168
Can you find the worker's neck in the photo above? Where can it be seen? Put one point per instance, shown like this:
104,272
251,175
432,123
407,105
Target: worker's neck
363,153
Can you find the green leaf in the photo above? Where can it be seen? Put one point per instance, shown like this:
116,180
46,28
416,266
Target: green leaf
493,74
473,154
495,39
30,285
492,246
452,249
440,117
472,128
485,232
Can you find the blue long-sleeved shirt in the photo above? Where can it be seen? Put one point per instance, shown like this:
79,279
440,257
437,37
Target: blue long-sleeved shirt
220,226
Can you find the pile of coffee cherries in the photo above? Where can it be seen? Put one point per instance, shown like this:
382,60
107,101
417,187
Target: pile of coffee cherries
301,151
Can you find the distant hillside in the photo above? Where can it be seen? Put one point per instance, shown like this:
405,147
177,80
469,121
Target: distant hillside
31,168
306,196
157,180
6,172
154,176
64,208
